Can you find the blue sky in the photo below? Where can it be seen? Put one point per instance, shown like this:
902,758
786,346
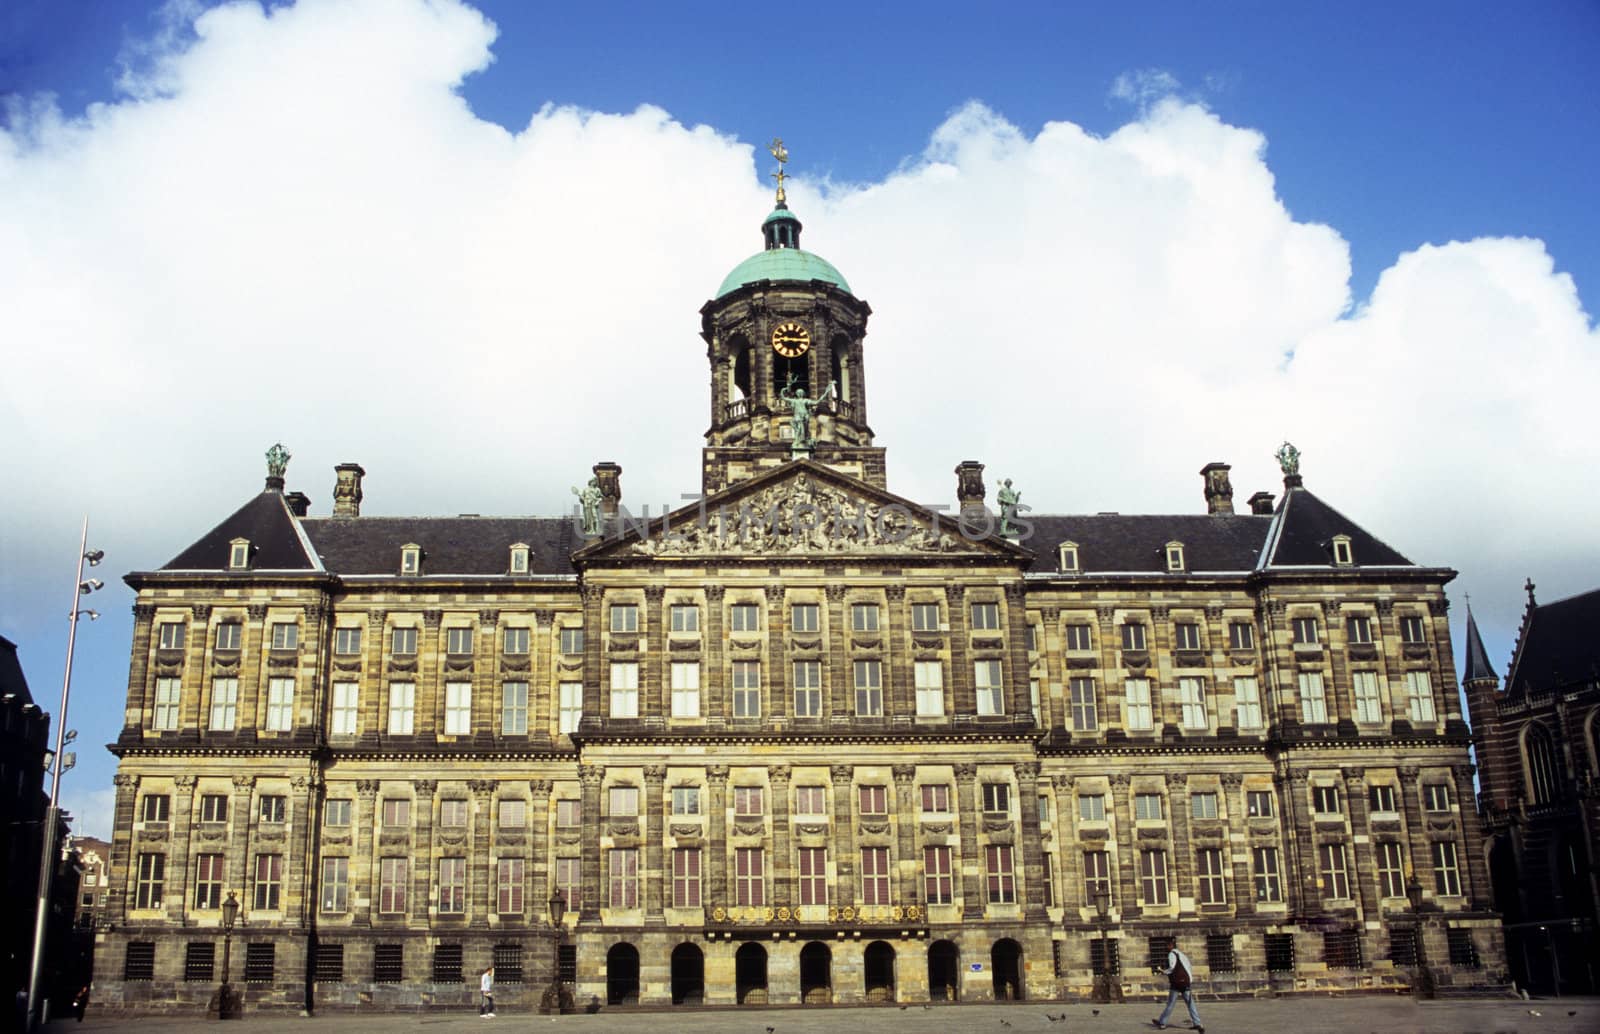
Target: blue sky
266,230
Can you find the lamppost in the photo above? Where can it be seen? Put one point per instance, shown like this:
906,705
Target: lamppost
556,997
60,762
1424,987
1104,989
225,1006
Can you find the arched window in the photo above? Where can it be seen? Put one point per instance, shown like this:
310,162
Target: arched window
741,369
839,350
1540,763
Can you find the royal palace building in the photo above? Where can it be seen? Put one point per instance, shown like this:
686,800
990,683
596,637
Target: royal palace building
803,740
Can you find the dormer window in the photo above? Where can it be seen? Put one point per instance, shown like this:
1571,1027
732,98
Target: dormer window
1174,551
1342,556
519,558
1069,557
238,554
410,558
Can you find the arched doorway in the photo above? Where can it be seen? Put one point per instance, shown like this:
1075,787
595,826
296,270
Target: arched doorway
944,971
622,975
750,974
816,974
1005,959
878,969
688,975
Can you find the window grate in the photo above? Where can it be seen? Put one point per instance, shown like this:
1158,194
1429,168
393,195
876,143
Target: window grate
1403,946
330,964
260,960
1104,956
199,961
140,962
1156,951
1219,953
567,963
1341,949
1280,953
508,963
447,964
1463,951
388,963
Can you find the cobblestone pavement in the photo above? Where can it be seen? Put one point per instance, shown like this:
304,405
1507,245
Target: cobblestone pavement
1303,1015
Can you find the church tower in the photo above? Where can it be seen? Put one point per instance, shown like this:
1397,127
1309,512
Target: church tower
784,338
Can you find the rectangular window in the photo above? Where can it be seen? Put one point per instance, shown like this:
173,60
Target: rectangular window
1133,636
807,689
1341,949
1079,638
1462,951
749,877
260,962
1364,687
452,886
1192,699
208,876
623,802
1043,808
686,877
403,642
810,800
625,689
268,882
1313,702
1258,804
685,617
458,708
571,702
997,799
1268,885
938,883
1096,875
875,875
1186,636
165,716
571,641
396,813
347,641
1381,799
1305,632
335,884
1331,867
935,799
1247,702
869,689
803,617
1033,702
1412,630
569,813
1147,806
685,800
685,689
513,814
924,617
744,617
1358,630
1419,688
864,617
155,807
623,878
1325,800
280,705
1391,865
1085,712
747,689
1203,805
1241,636
229,635
749,803
1033,638
199,961
929,679
813,875
172,635
569,881
224,704
1001,877
1141,713
346,698
514,709
1153,877
392,876
1446,876
213,807
402,708
1211,876
991,691
514,642
872,801
285,636
388,963
453,813
273,808
1435,797
985,616
624,617
1092,807
510,879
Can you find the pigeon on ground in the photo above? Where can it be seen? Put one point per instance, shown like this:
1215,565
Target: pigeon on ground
1097,1012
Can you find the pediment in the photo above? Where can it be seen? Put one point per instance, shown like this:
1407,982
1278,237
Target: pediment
803,509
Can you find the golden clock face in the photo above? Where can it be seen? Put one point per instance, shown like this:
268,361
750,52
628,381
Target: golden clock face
790,340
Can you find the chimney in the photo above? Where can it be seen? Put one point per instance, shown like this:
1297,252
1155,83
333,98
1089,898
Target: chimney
1219,490
969,485
609,476
1261,504
347,489
299,503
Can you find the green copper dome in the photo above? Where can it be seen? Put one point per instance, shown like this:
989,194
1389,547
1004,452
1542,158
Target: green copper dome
782,264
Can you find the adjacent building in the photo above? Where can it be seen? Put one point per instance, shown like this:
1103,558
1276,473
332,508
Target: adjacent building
24,738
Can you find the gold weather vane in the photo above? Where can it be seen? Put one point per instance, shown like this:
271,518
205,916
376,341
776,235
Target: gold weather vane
781,153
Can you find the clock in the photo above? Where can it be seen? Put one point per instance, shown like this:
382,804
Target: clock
791,340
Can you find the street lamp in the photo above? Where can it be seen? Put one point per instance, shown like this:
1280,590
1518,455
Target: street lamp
226,1004
1424,986
1104,989
47,839
556,997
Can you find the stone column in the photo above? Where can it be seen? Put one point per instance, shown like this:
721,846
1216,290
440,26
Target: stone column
1475,881
122,843
541,879
423,871
1301,841
963,702
836,632
542,679
1052,664
906,811
591,776
716,859
1416,831
195,669
429,717
1112,689
1127,862
654,697
479,905
139,686
1032,854
593,642
1178,823
655,777
1362,866
1243,889
252,672
1447,705
181,862
782,877
364,865
1020,704
714,679
239,840
972,903
373,718
775,704
299,877
844,841
485,721
898,703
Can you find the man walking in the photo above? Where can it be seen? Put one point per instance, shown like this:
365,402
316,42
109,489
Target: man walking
486,985
1179,972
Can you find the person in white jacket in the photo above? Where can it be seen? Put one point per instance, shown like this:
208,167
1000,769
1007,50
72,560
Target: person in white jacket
1179,972
486,985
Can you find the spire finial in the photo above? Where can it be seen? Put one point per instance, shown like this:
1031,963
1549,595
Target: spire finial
1529,586
781,153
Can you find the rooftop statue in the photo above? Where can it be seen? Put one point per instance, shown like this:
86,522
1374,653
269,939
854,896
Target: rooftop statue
800,410
781,153
1008,498
1288,459
277,460
589,500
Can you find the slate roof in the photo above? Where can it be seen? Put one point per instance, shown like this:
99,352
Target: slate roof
12,680
1306,527
1560,645
450,545
276,543
1477,666
1137,543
